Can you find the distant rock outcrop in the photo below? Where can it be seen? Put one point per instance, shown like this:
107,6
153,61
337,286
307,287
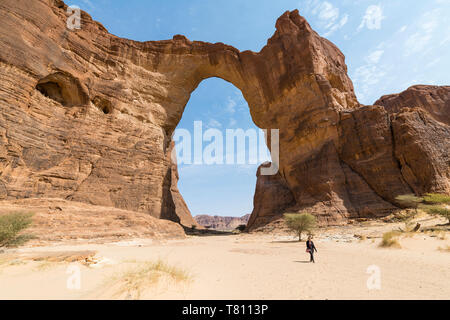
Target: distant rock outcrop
87,116
221,223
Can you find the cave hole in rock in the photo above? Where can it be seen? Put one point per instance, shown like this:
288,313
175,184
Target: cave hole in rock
63,88
216,189
103,105
51,90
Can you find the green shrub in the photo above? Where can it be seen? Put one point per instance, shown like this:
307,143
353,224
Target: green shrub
11,226
432,203
300,223
437,210
435,198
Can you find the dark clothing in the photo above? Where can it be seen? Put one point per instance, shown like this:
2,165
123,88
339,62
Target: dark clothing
311,248
311,257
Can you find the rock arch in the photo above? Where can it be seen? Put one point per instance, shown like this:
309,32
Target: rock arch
337,158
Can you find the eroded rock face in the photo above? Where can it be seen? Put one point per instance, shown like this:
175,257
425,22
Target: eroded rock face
87,116
433,99
422,147
55,220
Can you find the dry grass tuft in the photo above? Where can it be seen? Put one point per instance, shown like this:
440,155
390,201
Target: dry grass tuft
390,240
444,249
147,274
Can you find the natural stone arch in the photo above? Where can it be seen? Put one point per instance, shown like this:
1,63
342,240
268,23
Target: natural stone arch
332,150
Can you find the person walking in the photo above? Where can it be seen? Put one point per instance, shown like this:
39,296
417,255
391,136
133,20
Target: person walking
310,248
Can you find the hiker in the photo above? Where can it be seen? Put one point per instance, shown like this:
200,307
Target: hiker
310,247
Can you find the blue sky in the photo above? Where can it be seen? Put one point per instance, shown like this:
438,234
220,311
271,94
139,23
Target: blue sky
389,46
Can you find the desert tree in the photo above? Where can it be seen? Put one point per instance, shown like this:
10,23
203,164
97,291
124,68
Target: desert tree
11,227
299,223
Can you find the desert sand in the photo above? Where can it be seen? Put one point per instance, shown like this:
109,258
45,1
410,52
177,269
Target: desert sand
236,266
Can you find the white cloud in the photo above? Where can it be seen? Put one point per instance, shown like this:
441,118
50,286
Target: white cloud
89,3
212,123
366,77
369,74
375,56
231,105
403,29
232,122
372,18
328,15
418,42
337,26
433,62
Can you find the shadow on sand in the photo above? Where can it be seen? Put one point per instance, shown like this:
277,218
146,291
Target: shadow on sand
306,261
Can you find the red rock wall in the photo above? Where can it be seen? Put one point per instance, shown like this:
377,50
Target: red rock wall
88,116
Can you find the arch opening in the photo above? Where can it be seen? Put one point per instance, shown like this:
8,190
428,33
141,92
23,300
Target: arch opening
220,180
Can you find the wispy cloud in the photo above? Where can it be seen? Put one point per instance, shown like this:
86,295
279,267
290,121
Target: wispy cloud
213,123
231,105
419,41
372,18
375,56
232,122
328,15
369,74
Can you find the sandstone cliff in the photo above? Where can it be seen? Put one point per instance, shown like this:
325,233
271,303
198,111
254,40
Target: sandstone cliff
87,116
433,99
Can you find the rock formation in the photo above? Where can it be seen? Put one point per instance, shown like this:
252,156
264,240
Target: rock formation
433,99
87,116
221,223
55,220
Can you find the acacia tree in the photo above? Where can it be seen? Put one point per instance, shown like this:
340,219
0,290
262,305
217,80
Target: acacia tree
299,223
11,227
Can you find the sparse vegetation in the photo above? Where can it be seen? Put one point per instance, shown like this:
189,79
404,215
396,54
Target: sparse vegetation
11,227
410,201
390,239
436,204
444,249
438,210
435,198
299,223
431,203
147,274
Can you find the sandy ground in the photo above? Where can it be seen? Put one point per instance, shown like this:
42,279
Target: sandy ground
245,266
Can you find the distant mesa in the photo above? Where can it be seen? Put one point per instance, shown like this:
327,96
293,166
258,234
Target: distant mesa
220,223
